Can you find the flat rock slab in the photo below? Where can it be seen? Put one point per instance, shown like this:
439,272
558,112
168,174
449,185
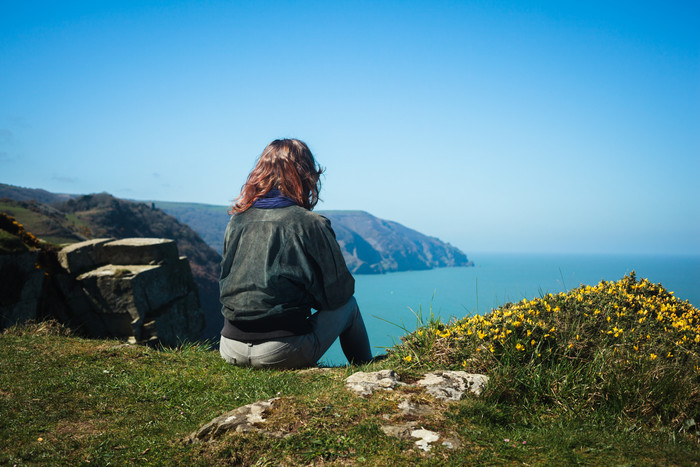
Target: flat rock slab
91,254
451,385
140,251
83,256
443,385
364,384
239,420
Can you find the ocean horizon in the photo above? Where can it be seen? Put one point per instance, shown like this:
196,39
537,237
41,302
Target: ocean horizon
391,303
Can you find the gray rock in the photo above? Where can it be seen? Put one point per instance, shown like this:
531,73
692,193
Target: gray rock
140,251
444,385
409,430
364,384
146,301
425,437
246,418
91,254
83,256
451,385
401,430
413,410
21,284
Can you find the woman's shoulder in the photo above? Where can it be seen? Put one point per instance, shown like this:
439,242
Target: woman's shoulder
290,216
308,217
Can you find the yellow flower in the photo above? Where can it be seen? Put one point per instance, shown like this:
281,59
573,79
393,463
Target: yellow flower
408,358
532,342
652,356
519,346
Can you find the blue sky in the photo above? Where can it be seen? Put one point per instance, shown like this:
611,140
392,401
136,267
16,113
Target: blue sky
497,126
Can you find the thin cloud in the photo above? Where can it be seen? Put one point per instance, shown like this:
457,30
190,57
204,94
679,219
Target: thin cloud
6,136
18,121
65,179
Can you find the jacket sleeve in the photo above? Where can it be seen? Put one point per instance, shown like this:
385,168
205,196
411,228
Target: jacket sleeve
329,281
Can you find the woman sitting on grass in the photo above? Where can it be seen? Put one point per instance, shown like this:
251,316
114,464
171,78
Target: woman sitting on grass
280,261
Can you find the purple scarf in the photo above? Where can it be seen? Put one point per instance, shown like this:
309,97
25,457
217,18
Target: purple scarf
273,200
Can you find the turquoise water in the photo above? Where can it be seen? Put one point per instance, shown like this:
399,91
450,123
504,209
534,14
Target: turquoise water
388,302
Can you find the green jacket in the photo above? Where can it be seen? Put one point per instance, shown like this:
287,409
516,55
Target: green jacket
277,265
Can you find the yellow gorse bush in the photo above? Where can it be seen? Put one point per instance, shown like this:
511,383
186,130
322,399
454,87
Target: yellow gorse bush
618,344
9,224
633,316
638,319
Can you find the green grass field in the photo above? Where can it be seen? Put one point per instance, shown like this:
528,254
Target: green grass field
595,399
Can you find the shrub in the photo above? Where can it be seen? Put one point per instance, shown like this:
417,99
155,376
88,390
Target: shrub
629,347
9,224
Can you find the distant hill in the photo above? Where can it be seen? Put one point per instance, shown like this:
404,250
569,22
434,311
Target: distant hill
370,245
28,194
208,220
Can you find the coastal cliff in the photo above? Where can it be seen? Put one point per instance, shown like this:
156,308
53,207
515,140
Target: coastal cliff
370,245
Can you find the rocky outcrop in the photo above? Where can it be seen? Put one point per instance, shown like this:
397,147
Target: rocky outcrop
364,384
75,218
21,283
451,385
406,422
136,289
448,386
373,246
246,418
443,385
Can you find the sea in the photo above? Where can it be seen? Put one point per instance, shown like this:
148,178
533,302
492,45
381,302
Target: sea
392,304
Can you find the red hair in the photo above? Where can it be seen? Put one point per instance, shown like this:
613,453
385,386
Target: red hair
289,166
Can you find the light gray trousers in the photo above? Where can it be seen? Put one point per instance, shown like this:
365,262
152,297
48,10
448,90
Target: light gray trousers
305,350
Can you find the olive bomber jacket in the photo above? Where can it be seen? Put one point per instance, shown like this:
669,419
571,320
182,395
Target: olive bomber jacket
277,265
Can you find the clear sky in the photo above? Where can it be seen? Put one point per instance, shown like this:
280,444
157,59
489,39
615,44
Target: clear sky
495,125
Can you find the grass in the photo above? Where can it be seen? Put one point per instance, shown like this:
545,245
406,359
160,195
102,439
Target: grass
33,221
600,399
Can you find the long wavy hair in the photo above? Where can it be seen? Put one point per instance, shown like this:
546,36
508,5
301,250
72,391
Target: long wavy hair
289,166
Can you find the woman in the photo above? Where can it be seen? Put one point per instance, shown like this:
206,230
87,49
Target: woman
280,261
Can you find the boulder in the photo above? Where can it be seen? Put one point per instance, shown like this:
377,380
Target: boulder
246,418
364,384
88,255
83,256
146,293
138,289
140,251
451,385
